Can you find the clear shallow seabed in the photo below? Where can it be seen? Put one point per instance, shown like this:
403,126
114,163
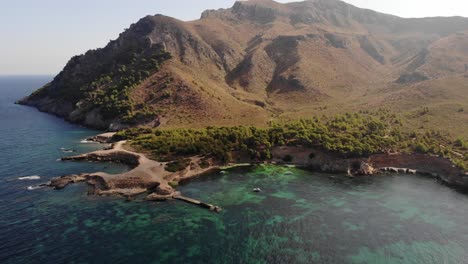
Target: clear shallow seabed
299,217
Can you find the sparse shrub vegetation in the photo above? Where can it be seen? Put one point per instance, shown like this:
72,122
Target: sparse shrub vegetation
204,163
173,184
424,111
463,144
106,84
177,165
349,135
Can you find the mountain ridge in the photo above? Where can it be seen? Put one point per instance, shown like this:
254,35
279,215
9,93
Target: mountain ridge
261,60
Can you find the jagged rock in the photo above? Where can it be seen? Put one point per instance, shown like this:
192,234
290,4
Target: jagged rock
62,182
164,190
336,41
402,170
102,138
366,169
128,158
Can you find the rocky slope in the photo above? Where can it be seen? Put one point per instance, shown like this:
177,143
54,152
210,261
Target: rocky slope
261,59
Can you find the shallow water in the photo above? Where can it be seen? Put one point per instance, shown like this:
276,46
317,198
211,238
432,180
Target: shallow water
299,217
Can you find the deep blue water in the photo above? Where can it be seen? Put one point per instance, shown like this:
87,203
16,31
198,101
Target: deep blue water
30,144
300,217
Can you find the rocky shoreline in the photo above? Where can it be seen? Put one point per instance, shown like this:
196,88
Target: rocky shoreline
145,176
151,177
102,138
428,165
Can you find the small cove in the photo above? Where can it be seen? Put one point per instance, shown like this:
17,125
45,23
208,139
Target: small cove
299,217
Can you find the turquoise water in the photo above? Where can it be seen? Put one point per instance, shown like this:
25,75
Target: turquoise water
299,217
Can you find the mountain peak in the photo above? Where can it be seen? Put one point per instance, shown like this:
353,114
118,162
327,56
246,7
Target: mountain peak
255,2
239,65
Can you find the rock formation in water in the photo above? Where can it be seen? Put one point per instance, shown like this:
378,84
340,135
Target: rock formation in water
146,175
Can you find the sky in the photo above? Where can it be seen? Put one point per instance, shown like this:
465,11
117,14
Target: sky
39,37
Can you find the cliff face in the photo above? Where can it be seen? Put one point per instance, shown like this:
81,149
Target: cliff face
434,166
255,60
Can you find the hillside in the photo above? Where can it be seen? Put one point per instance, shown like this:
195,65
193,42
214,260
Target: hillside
262,60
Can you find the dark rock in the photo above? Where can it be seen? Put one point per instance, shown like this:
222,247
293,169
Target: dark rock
367,45
62,182
414,77
164,190
366,169
336,41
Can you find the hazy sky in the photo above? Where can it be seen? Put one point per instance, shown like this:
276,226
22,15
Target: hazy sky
38,37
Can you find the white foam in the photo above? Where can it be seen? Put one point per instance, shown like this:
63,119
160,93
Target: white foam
85,141
33,177
32,188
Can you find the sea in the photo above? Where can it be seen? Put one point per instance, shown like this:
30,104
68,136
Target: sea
298,217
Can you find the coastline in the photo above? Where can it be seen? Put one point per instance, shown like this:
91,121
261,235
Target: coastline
151,177
423,164
145,175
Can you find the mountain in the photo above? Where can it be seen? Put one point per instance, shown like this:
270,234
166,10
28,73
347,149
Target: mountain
262,60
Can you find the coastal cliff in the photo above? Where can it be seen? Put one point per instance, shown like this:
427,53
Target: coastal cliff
424,164
154,178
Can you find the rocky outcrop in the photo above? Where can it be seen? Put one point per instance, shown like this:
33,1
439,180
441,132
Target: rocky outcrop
399,170
62,182
146,176
259,11
102,138
149,176
433,166
317,160
366,169
164,190
413,77
101,156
